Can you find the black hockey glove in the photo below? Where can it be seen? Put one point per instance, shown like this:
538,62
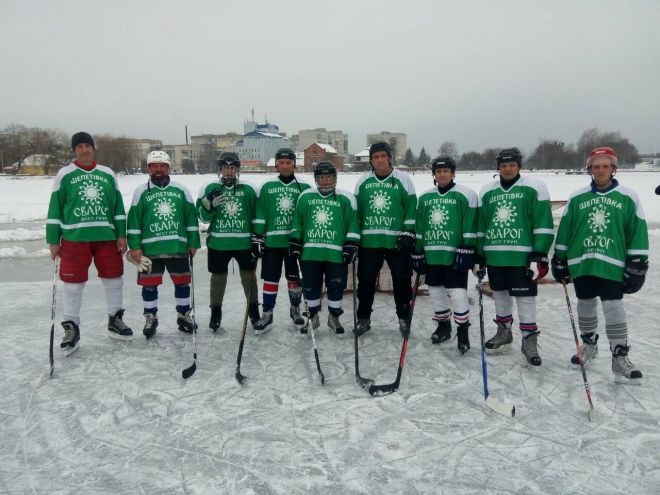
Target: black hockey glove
464,258
634,274
537,266
406,242
258,245
418,262
213,199
479,268
560,270
349,252
295,249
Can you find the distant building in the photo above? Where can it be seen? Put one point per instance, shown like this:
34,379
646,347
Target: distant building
317,152
180,155
337,139
648,164
398,141
260,142
38,164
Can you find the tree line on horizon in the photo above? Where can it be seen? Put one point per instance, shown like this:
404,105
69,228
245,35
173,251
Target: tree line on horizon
17,142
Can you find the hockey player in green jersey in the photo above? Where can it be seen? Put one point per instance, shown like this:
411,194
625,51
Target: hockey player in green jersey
229,207
162,232
515,232
446,228
386,208
325,238
86,221
273,223
602,245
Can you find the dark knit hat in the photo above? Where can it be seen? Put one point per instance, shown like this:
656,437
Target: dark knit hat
82,137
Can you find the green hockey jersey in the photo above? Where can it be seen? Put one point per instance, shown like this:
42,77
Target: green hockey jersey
325,223
598,230
162,220
515,222
275,207
85,206
385,208
446,221
231,224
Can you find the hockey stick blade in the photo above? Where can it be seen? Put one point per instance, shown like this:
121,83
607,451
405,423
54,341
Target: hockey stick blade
239,377
365,383
380,390
500,407
188,372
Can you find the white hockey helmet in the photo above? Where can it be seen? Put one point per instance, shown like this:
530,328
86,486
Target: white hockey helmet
158,157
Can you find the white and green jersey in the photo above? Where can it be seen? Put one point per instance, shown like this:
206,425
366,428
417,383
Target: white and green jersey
446,221
324,223
514,222
85,206
275,207
162,220
598,230
385,208
230,224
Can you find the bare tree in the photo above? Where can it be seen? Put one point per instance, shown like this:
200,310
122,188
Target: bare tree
448,148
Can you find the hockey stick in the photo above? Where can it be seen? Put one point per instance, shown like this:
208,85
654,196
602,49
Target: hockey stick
591,412
311,331
239,377
378,390
188,372
52,318
496,405
365,383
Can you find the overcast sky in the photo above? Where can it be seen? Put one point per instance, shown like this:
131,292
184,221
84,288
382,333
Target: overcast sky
480,73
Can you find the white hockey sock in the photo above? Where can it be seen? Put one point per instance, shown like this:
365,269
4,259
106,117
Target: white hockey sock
527,315
72,301
503,303
459,305
616,326
439,300
114,294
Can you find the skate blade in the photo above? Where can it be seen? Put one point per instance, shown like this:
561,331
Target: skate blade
500,350
501,407
436,342
263,330
67,351
116,336
627,381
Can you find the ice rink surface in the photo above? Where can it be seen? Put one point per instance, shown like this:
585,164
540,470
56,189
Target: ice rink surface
117,418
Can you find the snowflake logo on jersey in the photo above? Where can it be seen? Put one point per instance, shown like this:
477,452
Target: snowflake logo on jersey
232,207
599,219
285,204
438,217
380,202
322,217
165,210
90,192
505,214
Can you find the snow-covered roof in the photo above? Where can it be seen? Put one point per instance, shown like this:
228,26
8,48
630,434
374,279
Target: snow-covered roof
327,148
264,134
364,152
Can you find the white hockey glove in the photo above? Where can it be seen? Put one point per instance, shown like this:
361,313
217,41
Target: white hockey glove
144,265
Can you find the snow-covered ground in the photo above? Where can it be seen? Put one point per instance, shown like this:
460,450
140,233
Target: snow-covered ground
118,418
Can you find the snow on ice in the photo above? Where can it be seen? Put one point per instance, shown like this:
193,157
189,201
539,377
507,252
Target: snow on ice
118,418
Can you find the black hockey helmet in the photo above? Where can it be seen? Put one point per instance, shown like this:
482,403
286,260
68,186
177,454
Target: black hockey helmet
380,146
286,153
325,167
229,158
443,161
509,155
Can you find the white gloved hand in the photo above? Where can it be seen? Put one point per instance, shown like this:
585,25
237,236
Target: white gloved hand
144,265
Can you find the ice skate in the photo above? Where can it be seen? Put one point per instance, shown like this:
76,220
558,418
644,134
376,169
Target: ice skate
442,332
501,341
71,338
530,348
117,329
150,325
588,350
624,370
265,323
